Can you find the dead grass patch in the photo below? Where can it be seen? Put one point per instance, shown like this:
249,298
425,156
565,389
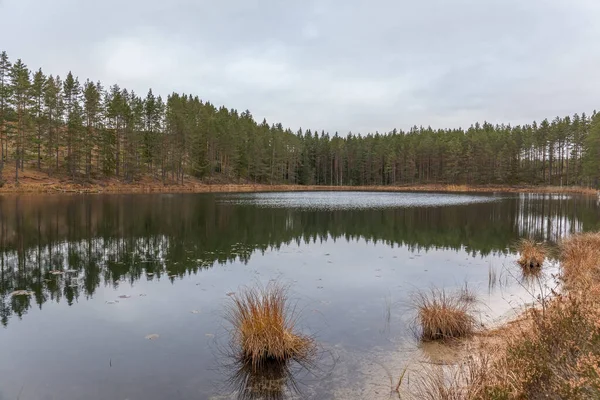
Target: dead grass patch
532,254
443,316
550,353
580,260
264,328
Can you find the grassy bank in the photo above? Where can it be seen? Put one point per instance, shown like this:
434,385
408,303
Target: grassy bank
550,352
32,181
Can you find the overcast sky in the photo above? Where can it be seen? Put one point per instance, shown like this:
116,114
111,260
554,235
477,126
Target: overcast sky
323,64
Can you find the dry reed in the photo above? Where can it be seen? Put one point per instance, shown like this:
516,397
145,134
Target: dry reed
552,353
443,316
532,254
264,327
467,294
580,260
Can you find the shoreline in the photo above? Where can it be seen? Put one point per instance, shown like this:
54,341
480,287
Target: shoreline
31,185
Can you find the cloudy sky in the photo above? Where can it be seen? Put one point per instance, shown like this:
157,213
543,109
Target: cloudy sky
323,64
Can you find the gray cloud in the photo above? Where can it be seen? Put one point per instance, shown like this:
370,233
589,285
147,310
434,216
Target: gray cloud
324,64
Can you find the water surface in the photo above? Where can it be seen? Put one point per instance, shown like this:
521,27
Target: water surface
105,271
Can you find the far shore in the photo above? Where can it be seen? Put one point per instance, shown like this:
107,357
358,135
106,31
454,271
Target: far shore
32,181
114,186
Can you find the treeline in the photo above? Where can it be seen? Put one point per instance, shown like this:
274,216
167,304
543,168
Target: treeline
92,132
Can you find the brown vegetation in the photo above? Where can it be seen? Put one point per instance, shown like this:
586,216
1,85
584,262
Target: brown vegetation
443,316
533,254
264,327
551,354
33,181
580,260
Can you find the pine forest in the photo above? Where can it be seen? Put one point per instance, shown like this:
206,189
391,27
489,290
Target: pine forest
86,131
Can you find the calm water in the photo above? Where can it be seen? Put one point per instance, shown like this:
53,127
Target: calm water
136,265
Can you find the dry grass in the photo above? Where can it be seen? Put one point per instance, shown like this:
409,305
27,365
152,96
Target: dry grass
580,260
549,354
532,253
264,327
443,316
556,357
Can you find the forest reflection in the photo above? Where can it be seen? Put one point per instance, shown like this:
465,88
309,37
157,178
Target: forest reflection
62,248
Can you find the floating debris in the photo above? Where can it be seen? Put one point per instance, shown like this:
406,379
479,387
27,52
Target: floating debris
173,276
71,271
195,311
143,295
152,336
211,335
56,272
112,302
21,293
124,296
230,294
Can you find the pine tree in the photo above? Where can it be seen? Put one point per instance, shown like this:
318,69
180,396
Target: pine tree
21,84
74,122
591,162
92,102
53,113
37,110
5,96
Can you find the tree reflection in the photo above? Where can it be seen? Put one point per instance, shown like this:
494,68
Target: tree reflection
121,238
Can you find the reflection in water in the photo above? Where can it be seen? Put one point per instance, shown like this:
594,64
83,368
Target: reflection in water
274,381
62,248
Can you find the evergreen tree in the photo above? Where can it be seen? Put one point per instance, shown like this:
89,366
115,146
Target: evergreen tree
5,96
37,111
92,103
21,100
592,152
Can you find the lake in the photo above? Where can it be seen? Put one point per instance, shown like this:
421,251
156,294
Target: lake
105,272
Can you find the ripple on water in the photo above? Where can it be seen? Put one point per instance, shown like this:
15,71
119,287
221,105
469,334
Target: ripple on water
352,200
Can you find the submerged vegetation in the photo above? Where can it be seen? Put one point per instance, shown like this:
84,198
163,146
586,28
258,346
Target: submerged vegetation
443,316
264,330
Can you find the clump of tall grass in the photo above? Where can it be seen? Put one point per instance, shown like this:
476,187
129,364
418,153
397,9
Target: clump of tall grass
533,254
264,327
443,316
580,259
